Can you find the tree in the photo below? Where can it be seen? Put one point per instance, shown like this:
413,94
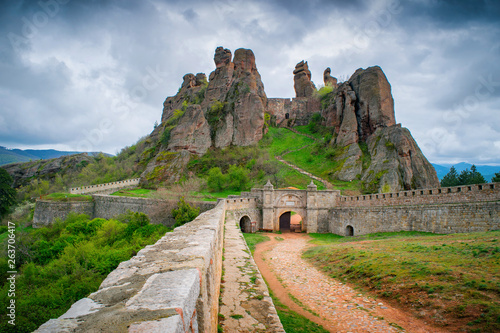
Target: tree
451,178
473,176
496,178
7,193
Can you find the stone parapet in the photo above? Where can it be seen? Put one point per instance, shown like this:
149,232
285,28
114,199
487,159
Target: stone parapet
171,286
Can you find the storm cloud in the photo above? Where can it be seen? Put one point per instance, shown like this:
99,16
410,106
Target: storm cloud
92,75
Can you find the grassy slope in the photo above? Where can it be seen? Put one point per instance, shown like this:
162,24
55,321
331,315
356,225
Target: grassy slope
292,321
451,279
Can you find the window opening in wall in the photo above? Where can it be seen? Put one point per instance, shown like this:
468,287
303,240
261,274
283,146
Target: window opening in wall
449,190
349,231
439,191
469,188
459,189
421,192
492,186
480,187
287,116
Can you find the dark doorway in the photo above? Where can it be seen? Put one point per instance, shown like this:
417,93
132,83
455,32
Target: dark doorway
285,221
349,231
245,224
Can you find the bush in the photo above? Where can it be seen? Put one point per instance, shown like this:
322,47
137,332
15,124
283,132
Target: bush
184,213
216,181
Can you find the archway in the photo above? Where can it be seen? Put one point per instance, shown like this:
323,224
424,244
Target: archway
290,221
245,224
349,231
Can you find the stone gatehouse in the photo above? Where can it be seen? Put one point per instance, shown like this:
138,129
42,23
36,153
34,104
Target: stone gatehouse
442,210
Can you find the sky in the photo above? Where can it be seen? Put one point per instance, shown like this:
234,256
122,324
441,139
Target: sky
93,75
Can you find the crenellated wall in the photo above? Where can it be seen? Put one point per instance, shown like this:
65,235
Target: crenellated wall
465,193
105,187
171,286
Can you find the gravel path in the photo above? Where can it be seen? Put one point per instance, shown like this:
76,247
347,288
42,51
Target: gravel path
337,307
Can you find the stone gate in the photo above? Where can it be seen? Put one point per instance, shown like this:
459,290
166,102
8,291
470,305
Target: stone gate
441,210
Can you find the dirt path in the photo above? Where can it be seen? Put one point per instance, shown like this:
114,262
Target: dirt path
330,303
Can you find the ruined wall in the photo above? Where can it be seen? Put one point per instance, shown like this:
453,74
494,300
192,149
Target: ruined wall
171,286
292,112
437,218
108,206
105,187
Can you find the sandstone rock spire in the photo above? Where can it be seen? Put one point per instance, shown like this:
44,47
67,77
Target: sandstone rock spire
303,85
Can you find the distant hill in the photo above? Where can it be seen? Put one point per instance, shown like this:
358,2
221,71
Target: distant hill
488,171
8,156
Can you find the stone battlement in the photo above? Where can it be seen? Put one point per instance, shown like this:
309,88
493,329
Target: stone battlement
105,187
456,194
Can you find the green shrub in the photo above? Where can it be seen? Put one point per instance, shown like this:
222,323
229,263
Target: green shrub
184,213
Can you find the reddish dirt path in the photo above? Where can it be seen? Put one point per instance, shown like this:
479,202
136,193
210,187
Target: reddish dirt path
340,308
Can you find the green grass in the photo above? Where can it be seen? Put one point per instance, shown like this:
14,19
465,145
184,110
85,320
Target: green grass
213,196
325,239
67,197
254,239
279,140
138,192
306,130
292,321
299,180
452,277
320,162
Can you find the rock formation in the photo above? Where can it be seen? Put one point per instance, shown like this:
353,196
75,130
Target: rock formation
229,108
329,80
226,110
303,85
363,120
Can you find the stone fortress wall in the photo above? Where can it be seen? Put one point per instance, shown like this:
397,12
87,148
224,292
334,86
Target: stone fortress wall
128,183
109,206
172,286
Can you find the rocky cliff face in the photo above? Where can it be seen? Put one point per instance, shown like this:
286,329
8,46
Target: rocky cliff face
376,150
226,110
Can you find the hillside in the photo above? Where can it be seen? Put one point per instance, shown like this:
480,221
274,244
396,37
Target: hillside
8,156
353,122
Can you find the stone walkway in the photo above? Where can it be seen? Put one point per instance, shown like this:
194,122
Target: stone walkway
342,308
245,303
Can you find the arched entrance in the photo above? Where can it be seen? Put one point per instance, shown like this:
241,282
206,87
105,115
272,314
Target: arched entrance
245,224
290,221
349,231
